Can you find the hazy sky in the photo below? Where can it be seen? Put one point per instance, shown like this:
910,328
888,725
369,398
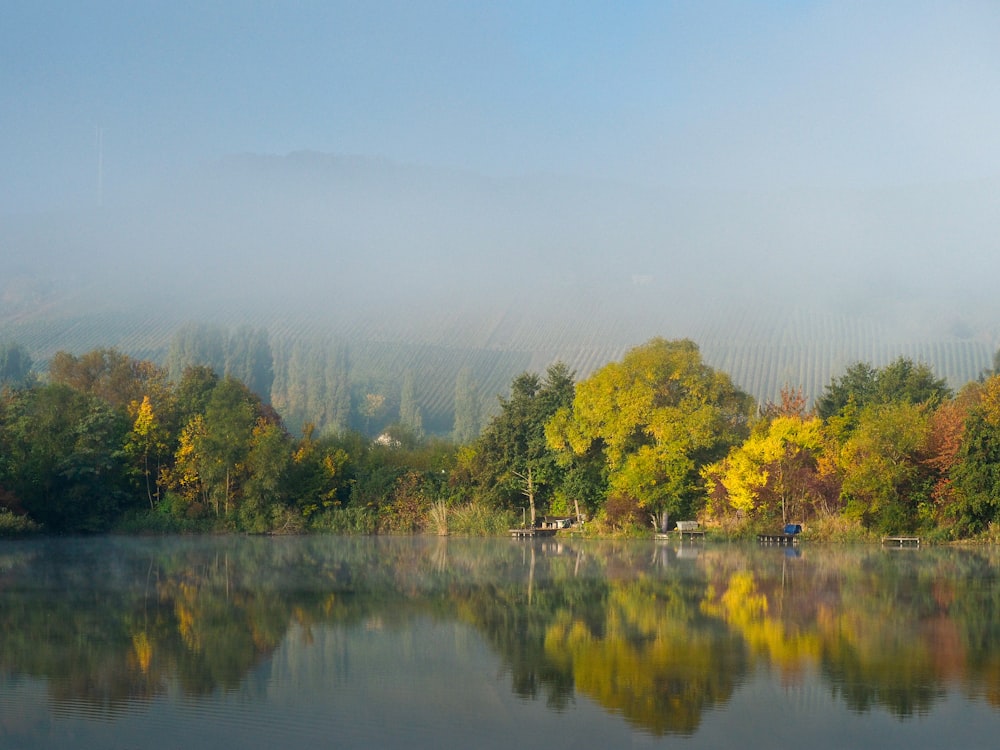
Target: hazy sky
709,94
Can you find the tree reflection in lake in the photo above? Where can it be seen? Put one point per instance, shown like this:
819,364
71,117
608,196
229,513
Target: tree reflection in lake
655,634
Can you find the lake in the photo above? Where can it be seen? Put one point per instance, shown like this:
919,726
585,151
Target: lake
311,642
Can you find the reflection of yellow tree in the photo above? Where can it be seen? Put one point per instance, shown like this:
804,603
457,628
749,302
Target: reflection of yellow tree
649,663
882,637
142,650
745,609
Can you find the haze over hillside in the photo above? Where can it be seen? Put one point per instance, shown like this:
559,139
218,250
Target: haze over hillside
795,188
412,254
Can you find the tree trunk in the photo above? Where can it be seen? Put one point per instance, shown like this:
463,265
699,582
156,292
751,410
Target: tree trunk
528,491
531,497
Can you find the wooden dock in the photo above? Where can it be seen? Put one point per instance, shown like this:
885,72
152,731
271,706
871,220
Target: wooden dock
780,540
529,532
901,541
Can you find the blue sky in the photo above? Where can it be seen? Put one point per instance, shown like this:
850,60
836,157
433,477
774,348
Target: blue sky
708,94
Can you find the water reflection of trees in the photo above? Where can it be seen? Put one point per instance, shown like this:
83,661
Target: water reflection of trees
645,631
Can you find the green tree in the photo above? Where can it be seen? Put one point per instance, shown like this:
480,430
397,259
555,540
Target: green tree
905,381
975,475
410,415
267,462
657,416
230,416
885,480
319,473
194,391
856,386
901,381
249,360
63,457
196,344
338,390
15,366
468,412
513,459
211,461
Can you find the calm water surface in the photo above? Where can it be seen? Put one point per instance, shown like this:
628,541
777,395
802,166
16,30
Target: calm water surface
447,643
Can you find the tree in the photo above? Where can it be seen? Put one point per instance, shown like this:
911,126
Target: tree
147,442
184,477
249,360
774,472
268,460
194,391
338,390
318,476
409,410
857,385
512,457
467,408
975,476
15,366
885,479
230,416
372,409
901,381
944,443
210,464
197,344
657,416
63,457
111,376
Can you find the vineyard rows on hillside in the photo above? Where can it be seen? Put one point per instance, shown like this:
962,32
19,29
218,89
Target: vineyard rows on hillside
763,352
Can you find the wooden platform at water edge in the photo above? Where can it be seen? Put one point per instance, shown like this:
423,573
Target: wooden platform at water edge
678,534
529,532
781,540
901,541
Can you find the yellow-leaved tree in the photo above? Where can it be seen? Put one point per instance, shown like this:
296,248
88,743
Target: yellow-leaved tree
774,470
147,444
658,416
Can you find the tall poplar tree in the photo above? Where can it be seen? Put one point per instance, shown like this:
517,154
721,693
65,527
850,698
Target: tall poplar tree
197,344
410,415
249,360
467,408
15,365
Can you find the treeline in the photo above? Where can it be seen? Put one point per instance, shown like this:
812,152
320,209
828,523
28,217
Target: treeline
107,441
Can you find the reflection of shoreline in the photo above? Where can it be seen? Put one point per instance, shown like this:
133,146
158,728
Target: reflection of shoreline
650,631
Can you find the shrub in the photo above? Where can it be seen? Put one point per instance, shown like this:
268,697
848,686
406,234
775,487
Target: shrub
345,520
622,512
478,519
14,525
